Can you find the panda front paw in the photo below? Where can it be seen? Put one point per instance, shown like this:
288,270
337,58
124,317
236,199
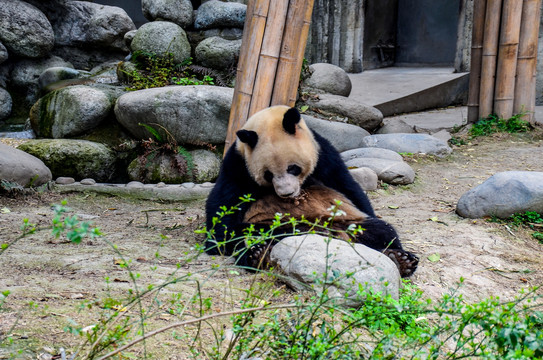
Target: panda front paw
405,261
259,256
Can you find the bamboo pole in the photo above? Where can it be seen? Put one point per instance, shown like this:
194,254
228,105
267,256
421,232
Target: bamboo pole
507,58
292,50
527,60
490,52
477,37
269,56
253,33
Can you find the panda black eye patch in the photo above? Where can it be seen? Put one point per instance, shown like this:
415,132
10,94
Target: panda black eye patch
294,170
268,176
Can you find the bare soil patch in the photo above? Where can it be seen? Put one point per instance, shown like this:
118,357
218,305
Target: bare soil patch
54,283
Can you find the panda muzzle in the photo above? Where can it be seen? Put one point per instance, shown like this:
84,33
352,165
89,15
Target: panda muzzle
286,185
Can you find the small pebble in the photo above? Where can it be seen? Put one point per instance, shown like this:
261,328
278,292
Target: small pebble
134,184
63,180
188,185
88,182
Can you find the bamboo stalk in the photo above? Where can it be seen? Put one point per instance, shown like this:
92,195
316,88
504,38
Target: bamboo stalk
292,50
507,58
490,52
253,33
269,56
477,37
527,60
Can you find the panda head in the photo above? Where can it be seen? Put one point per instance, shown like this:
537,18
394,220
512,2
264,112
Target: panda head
279,149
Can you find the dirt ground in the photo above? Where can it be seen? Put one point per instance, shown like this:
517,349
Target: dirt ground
54,283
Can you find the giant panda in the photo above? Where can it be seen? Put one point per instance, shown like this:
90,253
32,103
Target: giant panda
289,169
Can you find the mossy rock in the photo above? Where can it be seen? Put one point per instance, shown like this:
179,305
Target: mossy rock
74,158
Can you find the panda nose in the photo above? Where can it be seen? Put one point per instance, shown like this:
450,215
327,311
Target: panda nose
286,186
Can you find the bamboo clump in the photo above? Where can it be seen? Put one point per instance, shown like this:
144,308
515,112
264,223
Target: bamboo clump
271,57
507,67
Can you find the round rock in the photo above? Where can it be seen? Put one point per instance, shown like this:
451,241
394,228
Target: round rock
22,168
162,38
329,78
362,115
191,114
25,30
394,127
3,53
176,11
219,14
366,178
409,143
503,195
353,266
5,104
390,171
378,153
217,53
79,159
341,135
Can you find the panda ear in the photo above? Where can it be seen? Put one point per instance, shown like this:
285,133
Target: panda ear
248,137
290,119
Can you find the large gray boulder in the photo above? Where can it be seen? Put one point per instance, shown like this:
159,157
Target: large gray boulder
71,111
362,115
79,159
341,135
329,78
198,166
162,38
409,143
352,266
219,14
503,195
22,168
84,24
26,73
217,53
191,114
24,30
366,178
176,11
390,171
5,104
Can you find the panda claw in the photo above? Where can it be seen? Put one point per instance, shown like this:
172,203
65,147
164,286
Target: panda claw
405,261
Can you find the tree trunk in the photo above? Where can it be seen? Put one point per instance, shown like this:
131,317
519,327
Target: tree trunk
477,37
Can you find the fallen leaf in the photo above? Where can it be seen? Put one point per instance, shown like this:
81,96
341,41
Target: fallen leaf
5,210
434,257
393,207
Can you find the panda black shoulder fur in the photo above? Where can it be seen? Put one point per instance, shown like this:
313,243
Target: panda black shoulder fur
288,168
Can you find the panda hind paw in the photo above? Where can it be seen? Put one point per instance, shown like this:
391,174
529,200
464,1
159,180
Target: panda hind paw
259,256
407,262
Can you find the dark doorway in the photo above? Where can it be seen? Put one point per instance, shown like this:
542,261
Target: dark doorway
427,32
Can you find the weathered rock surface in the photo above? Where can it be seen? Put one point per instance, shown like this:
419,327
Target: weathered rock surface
196,36
395,127
378,153
301,258
24,30
365,116
22,168
329,78
218,53
26,74
162,38
83,23
390,171
79,159
3,53
56,74
199,166
409,143
191,114
366,178
176,11
5,104
342,136
71,111
217,14
503,195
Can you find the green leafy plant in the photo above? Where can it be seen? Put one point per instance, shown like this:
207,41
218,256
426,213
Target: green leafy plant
493,124
153,70
529,219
